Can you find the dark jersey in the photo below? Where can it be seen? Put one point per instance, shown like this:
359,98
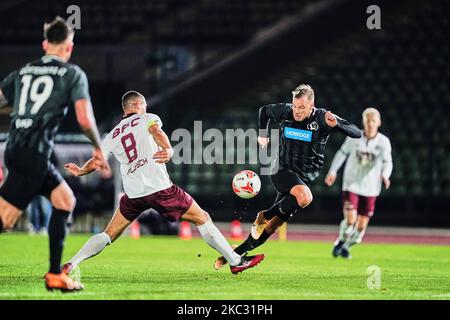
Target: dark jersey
302,143
40,93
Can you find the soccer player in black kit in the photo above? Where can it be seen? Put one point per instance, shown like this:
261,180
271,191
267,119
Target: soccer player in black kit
39,94
304,131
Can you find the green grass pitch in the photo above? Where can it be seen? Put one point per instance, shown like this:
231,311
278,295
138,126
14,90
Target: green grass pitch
169,268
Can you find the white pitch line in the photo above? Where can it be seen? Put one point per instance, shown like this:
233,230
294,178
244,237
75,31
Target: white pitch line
49,294
280,296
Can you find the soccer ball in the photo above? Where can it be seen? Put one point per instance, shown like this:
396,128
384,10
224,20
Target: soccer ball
246,184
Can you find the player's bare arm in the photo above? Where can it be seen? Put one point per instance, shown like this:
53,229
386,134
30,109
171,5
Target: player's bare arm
5,106
162,140
3,101
386,181
330,179
263,141
86,120
87,168
387,162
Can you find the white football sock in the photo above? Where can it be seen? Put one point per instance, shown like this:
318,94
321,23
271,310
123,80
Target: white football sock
361,235
215,239
91,248
344,230
354,238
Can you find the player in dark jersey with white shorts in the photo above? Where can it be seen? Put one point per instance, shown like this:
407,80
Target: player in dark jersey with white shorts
39,94
304,132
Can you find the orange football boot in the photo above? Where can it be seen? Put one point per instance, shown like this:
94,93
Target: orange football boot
61,282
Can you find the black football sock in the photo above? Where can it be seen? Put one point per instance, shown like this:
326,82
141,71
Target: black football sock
251,243
1,225
273,210
263,237
56,235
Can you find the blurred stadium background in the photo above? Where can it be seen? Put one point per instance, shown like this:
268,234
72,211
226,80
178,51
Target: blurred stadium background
219,61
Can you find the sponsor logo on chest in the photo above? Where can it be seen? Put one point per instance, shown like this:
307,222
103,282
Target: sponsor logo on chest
298,134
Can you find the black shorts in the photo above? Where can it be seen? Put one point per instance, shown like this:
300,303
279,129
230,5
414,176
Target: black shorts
29,174
284,180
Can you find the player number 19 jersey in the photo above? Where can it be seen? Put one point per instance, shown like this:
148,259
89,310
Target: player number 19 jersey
40,93
133,146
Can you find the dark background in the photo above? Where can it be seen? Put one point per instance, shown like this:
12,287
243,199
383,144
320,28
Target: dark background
219,61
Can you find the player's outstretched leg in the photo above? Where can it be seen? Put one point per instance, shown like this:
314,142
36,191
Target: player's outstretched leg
98,242
287,207
355,237
9,214
299,197
345,227
251,243
259,225
63,203
216,240
263,217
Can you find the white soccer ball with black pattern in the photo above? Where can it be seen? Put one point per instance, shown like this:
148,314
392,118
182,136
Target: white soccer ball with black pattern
246,184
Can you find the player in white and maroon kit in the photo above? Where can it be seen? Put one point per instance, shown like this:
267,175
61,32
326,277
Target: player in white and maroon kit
369,163
142,149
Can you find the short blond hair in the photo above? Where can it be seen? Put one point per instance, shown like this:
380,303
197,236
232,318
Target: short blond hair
303,90
370,111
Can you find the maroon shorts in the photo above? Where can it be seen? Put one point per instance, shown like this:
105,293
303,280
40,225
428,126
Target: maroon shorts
171,203
365,206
